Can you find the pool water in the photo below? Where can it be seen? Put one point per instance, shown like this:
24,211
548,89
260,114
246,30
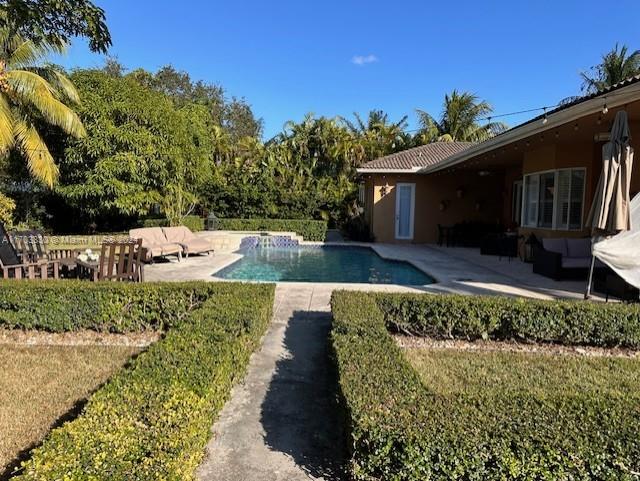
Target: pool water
322,264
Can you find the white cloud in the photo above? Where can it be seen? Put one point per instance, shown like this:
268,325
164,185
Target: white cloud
364,59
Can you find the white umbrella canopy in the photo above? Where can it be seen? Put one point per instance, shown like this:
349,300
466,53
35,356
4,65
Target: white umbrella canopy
610,213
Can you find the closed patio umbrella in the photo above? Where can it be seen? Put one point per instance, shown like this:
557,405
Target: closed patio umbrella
610,211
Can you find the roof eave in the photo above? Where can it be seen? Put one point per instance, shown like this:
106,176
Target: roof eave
623,96
412,170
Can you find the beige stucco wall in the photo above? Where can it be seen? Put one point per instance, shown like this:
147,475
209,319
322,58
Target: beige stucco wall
430,192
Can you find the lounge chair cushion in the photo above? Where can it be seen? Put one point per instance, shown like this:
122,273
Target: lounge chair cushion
191,243
155,243
558,246
579,247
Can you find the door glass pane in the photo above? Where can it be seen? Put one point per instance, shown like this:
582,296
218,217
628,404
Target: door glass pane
531,204
404,214
547,194
577,191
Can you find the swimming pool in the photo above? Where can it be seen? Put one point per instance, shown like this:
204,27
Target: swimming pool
322,264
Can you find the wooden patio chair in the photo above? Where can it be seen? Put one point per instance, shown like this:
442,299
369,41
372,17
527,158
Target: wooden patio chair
120,260
13,267
32,247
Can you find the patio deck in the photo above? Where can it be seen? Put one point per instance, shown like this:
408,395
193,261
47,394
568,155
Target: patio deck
457,270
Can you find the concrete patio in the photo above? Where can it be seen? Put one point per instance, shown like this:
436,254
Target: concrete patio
456,270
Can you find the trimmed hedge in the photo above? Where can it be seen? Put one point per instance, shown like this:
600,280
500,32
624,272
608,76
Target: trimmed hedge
152,420
194,222
102,306
310,230
402,430
473,317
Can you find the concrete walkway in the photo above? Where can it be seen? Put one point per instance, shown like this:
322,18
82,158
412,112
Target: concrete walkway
282,422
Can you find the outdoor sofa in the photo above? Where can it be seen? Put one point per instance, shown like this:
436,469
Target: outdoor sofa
191,244
562,258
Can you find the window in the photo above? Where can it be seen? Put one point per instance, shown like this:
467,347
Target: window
516,202
362,194
554,199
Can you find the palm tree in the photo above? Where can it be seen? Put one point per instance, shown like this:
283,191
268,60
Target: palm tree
32,95
616,66
460,121
378,136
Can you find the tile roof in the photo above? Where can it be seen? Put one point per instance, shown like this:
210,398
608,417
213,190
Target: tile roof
417,157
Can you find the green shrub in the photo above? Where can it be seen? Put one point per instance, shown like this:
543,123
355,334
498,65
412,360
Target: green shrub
401,429
72,305
310,230
473,317
194,222
152,420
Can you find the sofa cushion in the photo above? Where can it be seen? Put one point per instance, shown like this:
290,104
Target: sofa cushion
579,247
149,235
179,234
558,246
576,262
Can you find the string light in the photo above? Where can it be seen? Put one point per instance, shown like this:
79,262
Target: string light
545,118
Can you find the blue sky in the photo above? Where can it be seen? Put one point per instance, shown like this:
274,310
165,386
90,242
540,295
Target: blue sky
338,57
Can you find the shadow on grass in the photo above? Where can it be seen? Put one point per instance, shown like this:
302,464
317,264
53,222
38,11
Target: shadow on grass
14,467
301,413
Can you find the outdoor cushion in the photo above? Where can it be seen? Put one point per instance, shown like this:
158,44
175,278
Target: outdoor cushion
579,247
187,239
154,242
576,262
555,245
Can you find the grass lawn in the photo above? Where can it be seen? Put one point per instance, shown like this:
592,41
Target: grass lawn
39,384
449,373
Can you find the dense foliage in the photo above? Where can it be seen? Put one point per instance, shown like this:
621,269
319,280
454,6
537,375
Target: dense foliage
57,21
310,230
615,66
565,322
194,222
152,420
518,427
107,307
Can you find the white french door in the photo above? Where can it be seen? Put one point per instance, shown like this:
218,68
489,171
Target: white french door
405,210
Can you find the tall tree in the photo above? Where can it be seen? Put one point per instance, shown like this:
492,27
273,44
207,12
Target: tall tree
55,22
461,120
616,65
377,135
33,95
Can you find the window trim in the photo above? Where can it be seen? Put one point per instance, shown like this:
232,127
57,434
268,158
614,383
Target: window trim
554,223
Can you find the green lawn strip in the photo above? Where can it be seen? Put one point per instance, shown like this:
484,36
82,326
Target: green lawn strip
39,384
153,419
310,230
479,418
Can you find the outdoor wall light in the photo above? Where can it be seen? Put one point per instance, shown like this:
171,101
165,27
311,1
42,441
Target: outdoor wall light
384,189
460,193
443,205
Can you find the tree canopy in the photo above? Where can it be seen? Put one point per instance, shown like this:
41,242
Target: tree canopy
55,22
615,66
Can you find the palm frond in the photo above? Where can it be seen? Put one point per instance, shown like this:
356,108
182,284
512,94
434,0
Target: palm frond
60,83
6,125
24,53
34,90
39,159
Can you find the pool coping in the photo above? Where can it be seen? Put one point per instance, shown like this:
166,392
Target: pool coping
359,285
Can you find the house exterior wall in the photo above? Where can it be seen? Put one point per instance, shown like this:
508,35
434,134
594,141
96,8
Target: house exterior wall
481,200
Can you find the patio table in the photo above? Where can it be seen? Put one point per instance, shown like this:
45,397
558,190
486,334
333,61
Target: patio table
88,269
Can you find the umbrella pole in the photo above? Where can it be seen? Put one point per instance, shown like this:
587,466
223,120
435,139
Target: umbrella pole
587,294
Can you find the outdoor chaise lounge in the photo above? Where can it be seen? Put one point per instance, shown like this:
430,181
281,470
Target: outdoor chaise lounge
155,243
563,258
191,244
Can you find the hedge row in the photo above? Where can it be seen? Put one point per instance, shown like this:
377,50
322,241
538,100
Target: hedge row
152,420
310,230
109,307
194,222
402,430
565,322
